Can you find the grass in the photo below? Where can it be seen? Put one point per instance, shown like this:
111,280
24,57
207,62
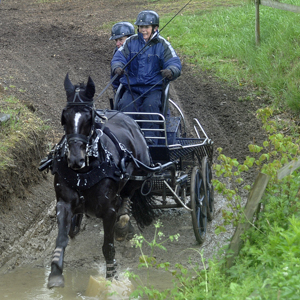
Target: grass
222,41
219,37
21,124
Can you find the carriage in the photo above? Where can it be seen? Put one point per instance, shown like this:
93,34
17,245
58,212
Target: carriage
186,164
104,162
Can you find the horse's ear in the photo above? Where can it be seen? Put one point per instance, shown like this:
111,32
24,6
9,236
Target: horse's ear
90,88
69,87
63,119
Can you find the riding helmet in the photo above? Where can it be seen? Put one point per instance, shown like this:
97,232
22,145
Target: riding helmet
147,17
121,29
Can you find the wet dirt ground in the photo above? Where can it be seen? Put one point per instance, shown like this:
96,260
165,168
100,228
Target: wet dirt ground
40,42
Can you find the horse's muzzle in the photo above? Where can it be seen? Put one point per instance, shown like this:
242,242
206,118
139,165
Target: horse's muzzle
76,158
76,164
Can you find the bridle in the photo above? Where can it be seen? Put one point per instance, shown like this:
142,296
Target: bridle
91,144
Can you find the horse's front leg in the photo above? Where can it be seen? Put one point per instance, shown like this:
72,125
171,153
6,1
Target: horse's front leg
64,216
108,247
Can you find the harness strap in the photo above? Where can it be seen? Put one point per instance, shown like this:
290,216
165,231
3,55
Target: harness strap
120,147
77,137
114,139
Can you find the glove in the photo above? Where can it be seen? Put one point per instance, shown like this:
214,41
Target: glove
167,73
119,71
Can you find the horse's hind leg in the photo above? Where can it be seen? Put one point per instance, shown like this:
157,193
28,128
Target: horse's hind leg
63,214
108,248
75,225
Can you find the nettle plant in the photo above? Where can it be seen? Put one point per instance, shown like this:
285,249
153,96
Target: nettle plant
275,152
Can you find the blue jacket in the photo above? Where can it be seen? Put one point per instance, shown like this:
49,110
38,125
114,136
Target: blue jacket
144,70
116,82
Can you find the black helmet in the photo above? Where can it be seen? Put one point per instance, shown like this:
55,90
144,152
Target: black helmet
147,17
121,29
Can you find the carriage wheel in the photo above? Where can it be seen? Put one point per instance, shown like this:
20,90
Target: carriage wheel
207,176
198,204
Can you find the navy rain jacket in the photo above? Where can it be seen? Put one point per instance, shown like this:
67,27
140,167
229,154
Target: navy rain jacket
116,82
144,70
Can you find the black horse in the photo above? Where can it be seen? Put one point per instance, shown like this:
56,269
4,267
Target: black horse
98,168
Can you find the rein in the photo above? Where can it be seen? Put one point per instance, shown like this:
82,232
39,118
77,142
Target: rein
140,96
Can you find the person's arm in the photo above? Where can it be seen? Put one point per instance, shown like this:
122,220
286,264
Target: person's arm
171,60
119,59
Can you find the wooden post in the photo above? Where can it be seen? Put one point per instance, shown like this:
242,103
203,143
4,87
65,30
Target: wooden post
257,25
289,168
254,198
274,4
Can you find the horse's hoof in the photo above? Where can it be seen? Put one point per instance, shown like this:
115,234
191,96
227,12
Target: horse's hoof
121,228
112,277
124,219
56,281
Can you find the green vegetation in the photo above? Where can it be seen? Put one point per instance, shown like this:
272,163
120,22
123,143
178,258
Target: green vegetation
21,124
268,264
223,41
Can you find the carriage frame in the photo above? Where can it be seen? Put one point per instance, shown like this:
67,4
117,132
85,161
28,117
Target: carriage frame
185,178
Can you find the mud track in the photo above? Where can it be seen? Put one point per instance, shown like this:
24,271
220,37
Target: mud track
39,44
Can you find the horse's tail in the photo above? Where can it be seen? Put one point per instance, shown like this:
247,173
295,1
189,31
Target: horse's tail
142,208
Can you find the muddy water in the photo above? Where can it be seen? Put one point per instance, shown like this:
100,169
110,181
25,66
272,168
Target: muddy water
31,283
28,283
84,259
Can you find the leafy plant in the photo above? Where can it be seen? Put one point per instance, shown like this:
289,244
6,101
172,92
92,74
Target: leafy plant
149,261
276,151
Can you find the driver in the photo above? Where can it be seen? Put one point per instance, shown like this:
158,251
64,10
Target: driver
156,62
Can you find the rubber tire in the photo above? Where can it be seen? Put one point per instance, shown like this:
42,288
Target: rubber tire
198,204
207,175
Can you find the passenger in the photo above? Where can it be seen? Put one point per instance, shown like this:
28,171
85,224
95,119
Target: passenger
119,33
156,62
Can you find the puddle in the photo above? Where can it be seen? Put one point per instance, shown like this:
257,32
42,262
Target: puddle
31,283
28,283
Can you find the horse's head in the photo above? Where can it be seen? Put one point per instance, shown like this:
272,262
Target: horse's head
78,121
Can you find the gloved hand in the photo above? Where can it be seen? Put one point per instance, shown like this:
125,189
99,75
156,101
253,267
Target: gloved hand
167,73
119,71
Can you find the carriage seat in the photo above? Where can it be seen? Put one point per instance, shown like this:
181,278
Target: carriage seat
164,97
